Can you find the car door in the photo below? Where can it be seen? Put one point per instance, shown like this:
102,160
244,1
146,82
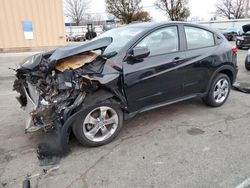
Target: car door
200,50
154,79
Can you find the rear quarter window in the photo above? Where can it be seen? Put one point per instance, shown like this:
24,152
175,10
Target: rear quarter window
198,38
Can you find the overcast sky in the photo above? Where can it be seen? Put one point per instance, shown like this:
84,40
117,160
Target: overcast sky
199,8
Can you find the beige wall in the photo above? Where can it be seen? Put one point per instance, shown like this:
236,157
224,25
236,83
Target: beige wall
47,21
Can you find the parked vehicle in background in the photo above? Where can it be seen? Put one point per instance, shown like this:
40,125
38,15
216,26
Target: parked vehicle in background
109,24
232,32
90,32
244,39
70,37
79,37
140,67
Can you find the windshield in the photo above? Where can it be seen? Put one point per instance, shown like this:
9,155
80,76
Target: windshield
121,36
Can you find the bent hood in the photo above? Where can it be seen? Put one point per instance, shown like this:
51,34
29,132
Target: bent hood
52,57
246,28
68,51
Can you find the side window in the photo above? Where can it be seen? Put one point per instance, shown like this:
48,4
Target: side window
198,38
162,41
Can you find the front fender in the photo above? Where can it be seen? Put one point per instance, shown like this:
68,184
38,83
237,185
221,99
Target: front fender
97,97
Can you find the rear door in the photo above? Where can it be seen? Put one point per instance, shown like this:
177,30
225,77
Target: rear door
200,52
154,79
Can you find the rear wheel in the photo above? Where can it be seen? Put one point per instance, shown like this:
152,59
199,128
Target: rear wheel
99,124
219,91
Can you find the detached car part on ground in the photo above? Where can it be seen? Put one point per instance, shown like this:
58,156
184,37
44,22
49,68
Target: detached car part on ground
92,88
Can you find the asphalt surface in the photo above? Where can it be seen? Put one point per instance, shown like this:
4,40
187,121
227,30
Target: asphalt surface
182,145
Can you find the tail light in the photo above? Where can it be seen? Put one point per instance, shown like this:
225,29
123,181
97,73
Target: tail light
234,50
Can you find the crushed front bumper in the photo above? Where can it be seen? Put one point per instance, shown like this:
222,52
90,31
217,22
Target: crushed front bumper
32,96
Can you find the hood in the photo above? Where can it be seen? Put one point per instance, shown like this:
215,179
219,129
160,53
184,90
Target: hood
31,62
53,56
246,28
68,51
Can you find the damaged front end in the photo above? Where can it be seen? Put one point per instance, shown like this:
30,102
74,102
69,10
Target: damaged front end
54,85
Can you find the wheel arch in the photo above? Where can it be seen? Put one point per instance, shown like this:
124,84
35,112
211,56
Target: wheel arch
225,69
229,73
95,98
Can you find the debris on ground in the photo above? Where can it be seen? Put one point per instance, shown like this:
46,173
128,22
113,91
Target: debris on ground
242,86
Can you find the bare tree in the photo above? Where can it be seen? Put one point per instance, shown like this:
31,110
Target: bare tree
76,9
175,9
231,9
142,16
98,19
124,10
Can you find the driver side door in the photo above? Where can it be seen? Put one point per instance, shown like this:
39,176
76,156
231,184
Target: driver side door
154,79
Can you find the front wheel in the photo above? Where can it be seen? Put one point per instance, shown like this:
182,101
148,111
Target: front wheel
99,124
219,91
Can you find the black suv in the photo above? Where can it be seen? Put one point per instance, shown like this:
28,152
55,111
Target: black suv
243,40
92,88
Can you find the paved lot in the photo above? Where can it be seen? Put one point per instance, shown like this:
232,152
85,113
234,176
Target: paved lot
183,145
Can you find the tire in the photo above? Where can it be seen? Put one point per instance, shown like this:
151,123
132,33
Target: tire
86,132
87,36
247,64
217,96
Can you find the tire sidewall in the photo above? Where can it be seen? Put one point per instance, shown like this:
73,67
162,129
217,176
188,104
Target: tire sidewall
78,126
210,98
247,65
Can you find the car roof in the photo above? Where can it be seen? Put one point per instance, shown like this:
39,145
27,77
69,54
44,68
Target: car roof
155,24
151,25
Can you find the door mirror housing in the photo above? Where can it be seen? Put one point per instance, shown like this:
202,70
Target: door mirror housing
140,52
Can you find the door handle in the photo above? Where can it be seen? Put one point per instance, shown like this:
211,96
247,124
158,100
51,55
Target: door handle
176,60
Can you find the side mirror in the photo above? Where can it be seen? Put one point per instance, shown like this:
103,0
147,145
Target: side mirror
140,52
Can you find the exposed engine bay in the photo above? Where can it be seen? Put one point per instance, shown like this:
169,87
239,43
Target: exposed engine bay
54,85
55,94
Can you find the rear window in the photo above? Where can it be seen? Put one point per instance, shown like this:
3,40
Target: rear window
198,38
